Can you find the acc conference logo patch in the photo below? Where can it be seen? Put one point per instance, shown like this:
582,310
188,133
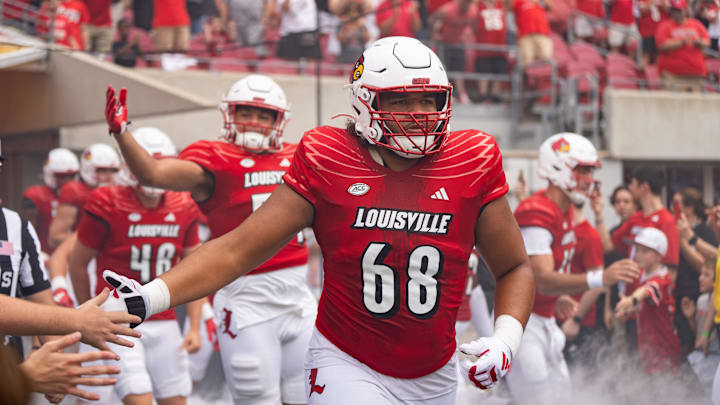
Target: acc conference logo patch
358,189
247,163
358,70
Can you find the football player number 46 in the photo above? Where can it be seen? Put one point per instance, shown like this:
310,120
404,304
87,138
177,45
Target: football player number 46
381,286
141,260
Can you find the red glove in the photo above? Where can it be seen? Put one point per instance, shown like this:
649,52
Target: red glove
210,328
60,295
116,111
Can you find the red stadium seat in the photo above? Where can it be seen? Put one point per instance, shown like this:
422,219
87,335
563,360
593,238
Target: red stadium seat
652,76
278,66
588,53
561,53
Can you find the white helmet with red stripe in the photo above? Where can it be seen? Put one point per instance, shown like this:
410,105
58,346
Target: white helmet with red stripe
97,156
400,65
558,157
59,161
158,145
261,92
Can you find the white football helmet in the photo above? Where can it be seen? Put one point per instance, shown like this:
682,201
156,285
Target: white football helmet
158,145
559,155
261,92
59,161
400,65
97,156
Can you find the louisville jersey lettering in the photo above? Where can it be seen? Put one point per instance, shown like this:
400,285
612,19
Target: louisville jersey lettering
397,243
540,211
45,201
243,181
134,241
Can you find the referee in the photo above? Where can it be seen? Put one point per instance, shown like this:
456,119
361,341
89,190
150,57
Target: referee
22,271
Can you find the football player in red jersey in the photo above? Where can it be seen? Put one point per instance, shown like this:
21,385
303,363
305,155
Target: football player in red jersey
397,203
98,165
265,320
40,205
567,161
142,232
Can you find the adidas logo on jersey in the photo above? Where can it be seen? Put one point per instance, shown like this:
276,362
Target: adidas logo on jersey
266,178
405,221
285,163
440,195
153,231
169,217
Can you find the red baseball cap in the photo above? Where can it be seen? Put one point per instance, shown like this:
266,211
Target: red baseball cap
680,4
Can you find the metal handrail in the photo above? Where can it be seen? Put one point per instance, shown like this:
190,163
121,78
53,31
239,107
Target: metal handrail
606,23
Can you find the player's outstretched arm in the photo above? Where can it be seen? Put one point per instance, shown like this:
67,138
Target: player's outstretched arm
170,174
499,240
61,226
80,257
232,255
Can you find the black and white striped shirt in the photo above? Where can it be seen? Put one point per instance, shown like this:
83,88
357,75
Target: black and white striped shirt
22,271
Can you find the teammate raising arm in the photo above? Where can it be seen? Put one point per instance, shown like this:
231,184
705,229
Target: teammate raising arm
266,317
397,203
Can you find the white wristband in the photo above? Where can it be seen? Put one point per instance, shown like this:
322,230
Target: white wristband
594,279
207,312
58,282
158,297
509,330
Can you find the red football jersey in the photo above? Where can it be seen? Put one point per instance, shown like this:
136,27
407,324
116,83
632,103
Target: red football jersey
538,210
134,241
658,344
588,255
395,244
75,193
662,220
530,18
465,311
243,181
45,200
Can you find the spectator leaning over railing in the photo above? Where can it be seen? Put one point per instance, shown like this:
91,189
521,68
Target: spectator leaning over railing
534,40
451,25
170,26
680,41
652,13
490,30
397,18
99,27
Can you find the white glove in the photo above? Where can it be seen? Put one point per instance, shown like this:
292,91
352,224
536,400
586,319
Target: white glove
493,363
128,296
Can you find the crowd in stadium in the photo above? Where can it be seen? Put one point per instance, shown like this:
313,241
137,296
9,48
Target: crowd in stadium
626,43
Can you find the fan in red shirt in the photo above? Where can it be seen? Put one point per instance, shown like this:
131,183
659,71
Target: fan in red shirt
680,41
99,27
142,232
622,29
646,187
397,18
451,25
170,26
534,41
652,299
396,203
490,30
652,13
70,19
546,222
